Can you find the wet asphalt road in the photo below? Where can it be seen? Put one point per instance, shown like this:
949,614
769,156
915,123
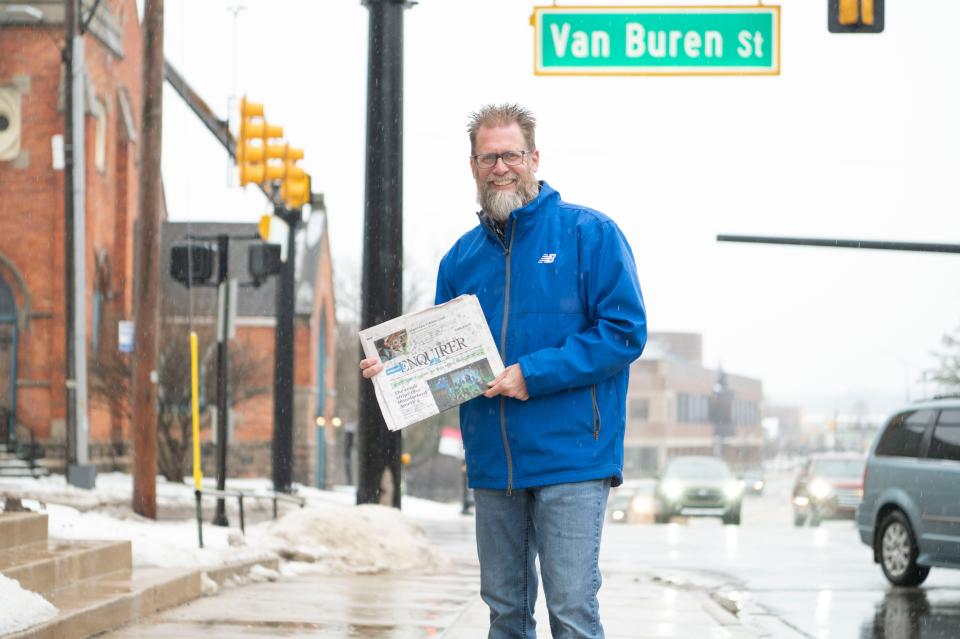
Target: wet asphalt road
660,581
791,582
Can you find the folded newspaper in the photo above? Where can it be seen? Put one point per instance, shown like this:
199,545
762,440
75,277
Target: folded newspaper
433,360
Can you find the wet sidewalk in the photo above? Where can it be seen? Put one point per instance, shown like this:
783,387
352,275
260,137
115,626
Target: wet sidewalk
446,605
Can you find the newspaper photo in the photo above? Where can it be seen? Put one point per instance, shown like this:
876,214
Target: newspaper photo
433,360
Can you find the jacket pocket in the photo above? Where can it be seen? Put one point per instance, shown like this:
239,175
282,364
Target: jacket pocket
596,412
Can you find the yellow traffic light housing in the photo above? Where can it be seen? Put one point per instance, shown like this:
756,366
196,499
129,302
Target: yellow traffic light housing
263,227
855,16
262,158
295,188
253,150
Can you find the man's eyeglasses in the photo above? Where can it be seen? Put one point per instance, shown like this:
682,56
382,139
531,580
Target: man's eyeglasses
489,160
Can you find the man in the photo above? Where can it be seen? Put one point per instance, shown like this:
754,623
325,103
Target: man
558,286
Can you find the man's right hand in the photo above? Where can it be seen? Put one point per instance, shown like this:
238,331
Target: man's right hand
371,366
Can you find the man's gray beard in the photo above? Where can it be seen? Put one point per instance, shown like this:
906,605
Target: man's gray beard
499,204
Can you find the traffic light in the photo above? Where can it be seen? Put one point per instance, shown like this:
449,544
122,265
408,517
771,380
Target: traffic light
191,263
855,16
263,227
295,188
253,147
263,260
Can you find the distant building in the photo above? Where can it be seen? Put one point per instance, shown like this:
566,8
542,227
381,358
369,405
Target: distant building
250,452
675,407
32,249
787,422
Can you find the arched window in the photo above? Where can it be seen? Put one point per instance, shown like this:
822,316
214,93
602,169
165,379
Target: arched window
8,363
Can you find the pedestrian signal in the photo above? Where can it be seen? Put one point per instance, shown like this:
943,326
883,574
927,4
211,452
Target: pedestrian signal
855,16
191,263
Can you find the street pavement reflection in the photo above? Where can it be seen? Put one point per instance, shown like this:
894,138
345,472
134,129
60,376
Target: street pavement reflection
915,613
695,578
786,581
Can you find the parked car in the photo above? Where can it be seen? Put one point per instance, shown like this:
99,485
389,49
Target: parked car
632,502
830,486
753,482
698,487
910,513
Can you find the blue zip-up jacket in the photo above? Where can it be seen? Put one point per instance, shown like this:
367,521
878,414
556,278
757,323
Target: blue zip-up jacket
561,297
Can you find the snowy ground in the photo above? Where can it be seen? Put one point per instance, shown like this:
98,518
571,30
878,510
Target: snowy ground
331,534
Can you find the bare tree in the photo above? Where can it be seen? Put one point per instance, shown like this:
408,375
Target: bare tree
249,377
948,373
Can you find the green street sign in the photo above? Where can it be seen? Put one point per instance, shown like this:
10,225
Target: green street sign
656,40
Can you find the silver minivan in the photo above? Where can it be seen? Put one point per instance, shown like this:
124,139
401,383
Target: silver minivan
910,514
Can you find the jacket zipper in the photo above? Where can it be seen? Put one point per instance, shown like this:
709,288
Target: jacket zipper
596,412
503,356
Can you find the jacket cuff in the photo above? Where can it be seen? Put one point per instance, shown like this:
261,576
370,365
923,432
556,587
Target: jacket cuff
529,371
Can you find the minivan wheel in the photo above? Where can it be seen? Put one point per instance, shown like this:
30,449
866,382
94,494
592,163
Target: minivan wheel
897,549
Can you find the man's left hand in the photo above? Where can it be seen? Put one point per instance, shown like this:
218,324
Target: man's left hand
509,383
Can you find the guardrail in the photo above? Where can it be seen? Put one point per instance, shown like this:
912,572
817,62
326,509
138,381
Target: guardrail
241,495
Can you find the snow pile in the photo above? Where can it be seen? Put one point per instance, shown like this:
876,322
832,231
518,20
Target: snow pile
113,492
167,544
21,608
330,535
349,539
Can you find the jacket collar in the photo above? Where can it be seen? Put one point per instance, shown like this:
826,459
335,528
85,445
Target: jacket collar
524,216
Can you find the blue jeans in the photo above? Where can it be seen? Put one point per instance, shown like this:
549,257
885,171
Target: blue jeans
561,524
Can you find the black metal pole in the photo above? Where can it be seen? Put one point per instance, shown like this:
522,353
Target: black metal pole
197,494
223,320
283,360
382,298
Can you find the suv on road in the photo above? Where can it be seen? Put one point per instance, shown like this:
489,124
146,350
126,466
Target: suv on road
910,513
829,486
698,486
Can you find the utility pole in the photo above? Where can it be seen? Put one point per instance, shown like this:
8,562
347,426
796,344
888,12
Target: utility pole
378,476
78,469
283,357
146,306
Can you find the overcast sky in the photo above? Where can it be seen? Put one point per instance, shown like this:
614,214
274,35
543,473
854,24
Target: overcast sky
859,137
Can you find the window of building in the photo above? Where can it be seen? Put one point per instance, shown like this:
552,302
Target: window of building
745,413
692,408
100,137
639,409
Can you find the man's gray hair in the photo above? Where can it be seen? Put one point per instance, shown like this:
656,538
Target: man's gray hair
505,114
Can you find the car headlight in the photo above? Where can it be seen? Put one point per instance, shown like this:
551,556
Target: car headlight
671,490
617,515
642,504
732,489
758,485
820,489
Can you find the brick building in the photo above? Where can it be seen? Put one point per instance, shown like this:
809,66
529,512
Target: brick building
251,420
32,273
675,406
32,280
